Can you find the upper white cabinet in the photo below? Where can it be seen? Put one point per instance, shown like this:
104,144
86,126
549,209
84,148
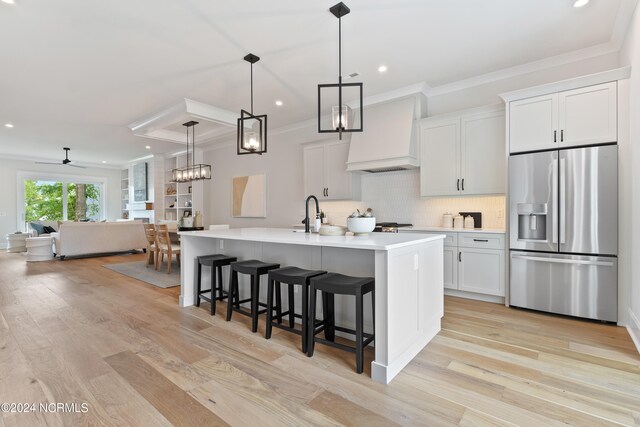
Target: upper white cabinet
533,123
325,172
588,115
440,158
581,116
463,154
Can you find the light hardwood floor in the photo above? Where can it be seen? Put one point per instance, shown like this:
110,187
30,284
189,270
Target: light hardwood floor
75,332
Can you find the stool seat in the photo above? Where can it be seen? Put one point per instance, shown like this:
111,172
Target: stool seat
343,285
216,259
216,293
294,275
253,266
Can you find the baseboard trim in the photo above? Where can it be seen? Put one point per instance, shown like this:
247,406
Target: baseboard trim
634,329
475,296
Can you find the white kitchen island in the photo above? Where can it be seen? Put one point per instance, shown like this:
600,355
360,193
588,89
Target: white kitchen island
408,269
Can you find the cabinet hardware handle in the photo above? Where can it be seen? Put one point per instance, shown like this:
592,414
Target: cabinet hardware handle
327,191
562,135
462,184
555,136
458,184
480,240
459,256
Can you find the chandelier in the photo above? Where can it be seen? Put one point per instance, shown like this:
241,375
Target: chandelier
192,171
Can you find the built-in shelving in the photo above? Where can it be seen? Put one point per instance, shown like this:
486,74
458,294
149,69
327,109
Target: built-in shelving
124,193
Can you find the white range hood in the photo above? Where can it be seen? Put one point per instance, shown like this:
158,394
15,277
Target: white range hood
389,140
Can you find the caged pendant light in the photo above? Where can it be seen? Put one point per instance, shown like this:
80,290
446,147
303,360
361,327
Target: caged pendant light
252,129
341,115
192,171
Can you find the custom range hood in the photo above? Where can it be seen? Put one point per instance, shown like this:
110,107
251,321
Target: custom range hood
389,141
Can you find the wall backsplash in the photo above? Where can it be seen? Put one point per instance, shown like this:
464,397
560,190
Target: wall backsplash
395,196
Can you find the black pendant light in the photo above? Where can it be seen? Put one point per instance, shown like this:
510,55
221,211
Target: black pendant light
252,129
192,171
341,116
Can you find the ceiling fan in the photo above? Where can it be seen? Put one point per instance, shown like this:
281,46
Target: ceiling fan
65,161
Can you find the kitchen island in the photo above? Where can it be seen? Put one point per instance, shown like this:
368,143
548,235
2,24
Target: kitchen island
408,269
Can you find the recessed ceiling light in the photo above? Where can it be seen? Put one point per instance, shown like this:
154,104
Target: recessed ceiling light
104,161
148,147
382,68
580,3
279,103
8,125
8,1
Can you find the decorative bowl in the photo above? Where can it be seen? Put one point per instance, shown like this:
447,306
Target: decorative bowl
361,225
332,230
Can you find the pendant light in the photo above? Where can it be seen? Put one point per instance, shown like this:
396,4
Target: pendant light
192,171
341,115
252,129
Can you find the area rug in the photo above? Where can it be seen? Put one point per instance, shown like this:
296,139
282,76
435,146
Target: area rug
137,270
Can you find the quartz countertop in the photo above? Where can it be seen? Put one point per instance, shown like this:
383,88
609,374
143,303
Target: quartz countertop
372,241
454,230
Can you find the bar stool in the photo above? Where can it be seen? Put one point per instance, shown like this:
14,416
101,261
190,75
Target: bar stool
291,276
332,284
255,269
216,262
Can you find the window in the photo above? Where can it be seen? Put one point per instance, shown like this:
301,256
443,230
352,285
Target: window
59,198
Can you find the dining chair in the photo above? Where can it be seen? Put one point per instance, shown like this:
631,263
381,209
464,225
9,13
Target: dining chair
165,247
152,244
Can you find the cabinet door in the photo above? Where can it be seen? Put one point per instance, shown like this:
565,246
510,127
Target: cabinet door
450,268
337,180
588,115
533,123
314,171
439,159
483,154
481,271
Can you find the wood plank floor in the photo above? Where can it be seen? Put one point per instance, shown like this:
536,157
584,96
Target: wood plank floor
75,332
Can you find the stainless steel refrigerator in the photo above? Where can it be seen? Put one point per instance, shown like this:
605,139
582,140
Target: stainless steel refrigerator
564,231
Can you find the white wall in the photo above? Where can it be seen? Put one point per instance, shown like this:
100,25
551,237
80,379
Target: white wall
8,189
631,55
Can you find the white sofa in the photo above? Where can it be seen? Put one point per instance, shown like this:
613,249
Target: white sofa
90,238
34,233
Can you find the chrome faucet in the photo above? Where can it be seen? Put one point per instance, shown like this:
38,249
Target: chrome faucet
306,212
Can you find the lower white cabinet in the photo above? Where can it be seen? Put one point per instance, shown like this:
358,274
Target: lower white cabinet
473,262
481,271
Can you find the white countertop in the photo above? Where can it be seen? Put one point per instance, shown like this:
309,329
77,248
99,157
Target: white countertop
372,241
454,230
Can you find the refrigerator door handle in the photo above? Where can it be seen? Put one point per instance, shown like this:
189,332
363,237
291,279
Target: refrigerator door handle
564,261
554,200
563,201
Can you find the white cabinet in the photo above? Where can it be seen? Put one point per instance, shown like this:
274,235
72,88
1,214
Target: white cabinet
440,159
473,262
325,174
581,116
463,154
481,271
588,115
533,123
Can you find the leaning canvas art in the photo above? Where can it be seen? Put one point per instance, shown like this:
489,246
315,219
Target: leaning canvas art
249,196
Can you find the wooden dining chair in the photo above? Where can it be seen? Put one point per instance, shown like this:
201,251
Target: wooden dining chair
165,247
152,244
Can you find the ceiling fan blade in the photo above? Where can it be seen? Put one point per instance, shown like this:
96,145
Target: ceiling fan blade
48,163
76,166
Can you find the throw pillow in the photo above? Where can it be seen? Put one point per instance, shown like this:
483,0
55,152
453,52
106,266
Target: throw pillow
39,228
48,230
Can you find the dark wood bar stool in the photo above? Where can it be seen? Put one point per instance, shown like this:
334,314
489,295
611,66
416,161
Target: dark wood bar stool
255,269
332,284
291,276
216,262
